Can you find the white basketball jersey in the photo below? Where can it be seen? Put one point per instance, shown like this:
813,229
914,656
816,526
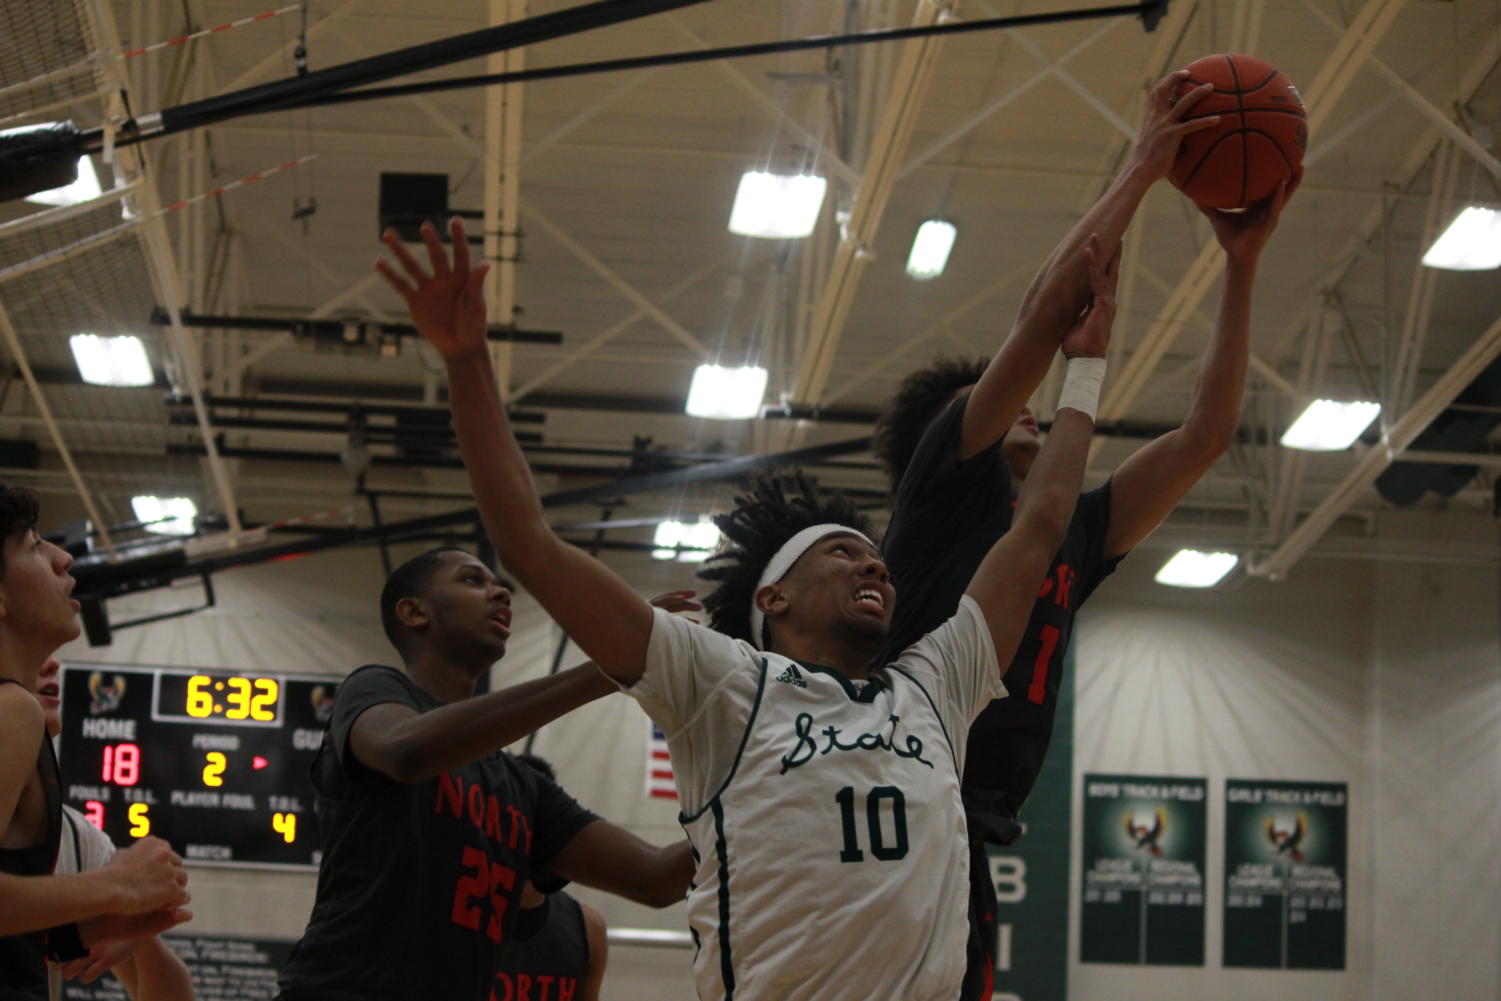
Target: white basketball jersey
831,849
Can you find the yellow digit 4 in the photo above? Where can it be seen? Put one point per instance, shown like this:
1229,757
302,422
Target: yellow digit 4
285,824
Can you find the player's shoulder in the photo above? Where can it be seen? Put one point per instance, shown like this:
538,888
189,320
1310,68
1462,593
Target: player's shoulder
701,639
374,676
19,707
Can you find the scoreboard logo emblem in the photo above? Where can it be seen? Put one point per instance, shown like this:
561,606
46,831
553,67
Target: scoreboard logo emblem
105,696
322,699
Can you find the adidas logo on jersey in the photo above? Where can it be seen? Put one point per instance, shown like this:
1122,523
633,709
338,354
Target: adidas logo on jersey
792,676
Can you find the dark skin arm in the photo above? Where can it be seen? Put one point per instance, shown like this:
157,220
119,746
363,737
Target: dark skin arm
403,744
609,621
1149,484
1005,585
1061,290
608,857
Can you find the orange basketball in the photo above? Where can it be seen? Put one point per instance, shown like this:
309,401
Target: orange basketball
1259,141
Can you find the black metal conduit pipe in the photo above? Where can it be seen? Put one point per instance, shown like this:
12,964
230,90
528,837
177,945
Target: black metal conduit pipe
1150,13
290,92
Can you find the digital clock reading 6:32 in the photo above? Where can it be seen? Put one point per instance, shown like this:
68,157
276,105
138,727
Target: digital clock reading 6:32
247,701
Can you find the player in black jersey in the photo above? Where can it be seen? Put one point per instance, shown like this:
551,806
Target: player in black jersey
562,954
142,891
429,829
958,441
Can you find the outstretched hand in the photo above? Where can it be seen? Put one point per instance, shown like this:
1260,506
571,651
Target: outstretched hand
1090,335
447,306
1243,234
1166,120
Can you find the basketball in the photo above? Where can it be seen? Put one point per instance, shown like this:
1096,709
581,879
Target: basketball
1259,141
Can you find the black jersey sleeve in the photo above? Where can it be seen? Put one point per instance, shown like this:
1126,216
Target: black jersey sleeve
558,818
371,685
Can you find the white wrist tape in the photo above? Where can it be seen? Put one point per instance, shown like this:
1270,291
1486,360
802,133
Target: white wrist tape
1081,385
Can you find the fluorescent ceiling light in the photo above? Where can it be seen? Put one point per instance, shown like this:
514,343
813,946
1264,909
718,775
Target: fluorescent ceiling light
776,206
81,190
930,249
111,361
1329,425
165,515
1191,568
688,542
726,393
1471,243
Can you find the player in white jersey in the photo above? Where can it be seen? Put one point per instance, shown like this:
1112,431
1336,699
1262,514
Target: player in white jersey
822,796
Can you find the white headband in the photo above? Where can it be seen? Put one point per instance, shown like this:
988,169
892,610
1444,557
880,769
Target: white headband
782,560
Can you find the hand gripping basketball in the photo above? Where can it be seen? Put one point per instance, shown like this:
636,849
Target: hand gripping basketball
1258,141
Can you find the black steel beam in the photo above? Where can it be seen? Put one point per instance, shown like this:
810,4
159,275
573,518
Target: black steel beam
337,330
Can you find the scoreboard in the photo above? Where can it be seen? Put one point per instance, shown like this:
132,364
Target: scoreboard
214,763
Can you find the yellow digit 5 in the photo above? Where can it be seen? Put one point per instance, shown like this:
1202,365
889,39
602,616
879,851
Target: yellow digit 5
214,769
140,823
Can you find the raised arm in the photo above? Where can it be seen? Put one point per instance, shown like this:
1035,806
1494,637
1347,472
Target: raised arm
1061,289
1149,484
608,621
1005,585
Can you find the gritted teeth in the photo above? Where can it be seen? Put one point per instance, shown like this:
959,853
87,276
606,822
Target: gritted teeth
870,594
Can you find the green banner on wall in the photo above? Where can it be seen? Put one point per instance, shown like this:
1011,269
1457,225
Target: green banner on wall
1285,874
1143,870
1031,876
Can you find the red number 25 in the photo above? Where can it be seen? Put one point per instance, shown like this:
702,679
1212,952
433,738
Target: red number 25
487,880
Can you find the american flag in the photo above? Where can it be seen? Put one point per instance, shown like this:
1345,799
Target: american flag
659,784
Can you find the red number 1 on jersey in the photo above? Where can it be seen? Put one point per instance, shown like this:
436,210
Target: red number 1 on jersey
1047,642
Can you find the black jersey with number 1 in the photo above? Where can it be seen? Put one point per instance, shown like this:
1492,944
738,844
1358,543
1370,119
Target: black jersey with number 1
946,516
419,882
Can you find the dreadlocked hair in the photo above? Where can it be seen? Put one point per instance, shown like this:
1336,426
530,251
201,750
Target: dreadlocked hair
772,510
921,397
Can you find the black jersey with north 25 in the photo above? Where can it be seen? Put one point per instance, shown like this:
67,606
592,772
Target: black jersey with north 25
946,516
419,882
